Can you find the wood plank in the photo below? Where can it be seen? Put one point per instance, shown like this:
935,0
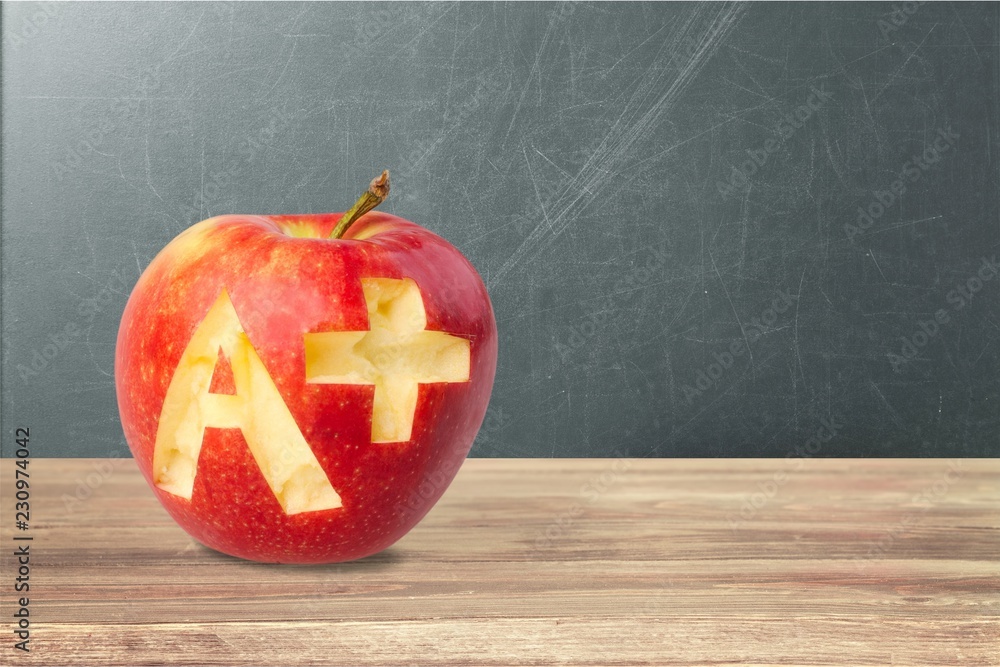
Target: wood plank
532,561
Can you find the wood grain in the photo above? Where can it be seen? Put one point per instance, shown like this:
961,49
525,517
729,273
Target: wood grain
583,562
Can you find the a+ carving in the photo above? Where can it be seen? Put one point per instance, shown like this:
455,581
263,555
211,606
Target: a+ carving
396,355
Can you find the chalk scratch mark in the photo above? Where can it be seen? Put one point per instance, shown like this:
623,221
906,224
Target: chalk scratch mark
636,122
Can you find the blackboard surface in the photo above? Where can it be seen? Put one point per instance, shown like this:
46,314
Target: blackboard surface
707,229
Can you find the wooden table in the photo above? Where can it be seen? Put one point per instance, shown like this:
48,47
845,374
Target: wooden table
667,562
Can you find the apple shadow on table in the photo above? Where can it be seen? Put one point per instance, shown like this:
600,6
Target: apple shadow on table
388,558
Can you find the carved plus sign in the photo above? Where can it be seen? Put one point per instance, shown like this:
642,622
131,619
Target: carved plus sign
396,354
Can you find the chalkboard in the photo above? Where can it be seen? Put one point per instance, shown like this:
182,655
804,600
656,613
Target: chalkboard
707,229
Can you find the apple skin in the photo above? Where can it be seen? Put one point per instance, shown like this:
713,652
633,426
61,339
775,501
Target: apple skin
283,287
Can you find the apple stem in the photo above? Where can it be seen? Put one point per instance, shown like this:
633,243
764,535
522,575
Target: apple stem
376,193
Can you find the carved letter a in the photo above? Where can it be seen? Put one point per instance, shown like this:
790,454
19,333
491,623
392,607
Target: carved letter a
256,408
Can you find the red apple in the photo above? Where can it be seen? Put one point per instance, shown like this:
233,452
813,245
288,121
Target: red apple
302,389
